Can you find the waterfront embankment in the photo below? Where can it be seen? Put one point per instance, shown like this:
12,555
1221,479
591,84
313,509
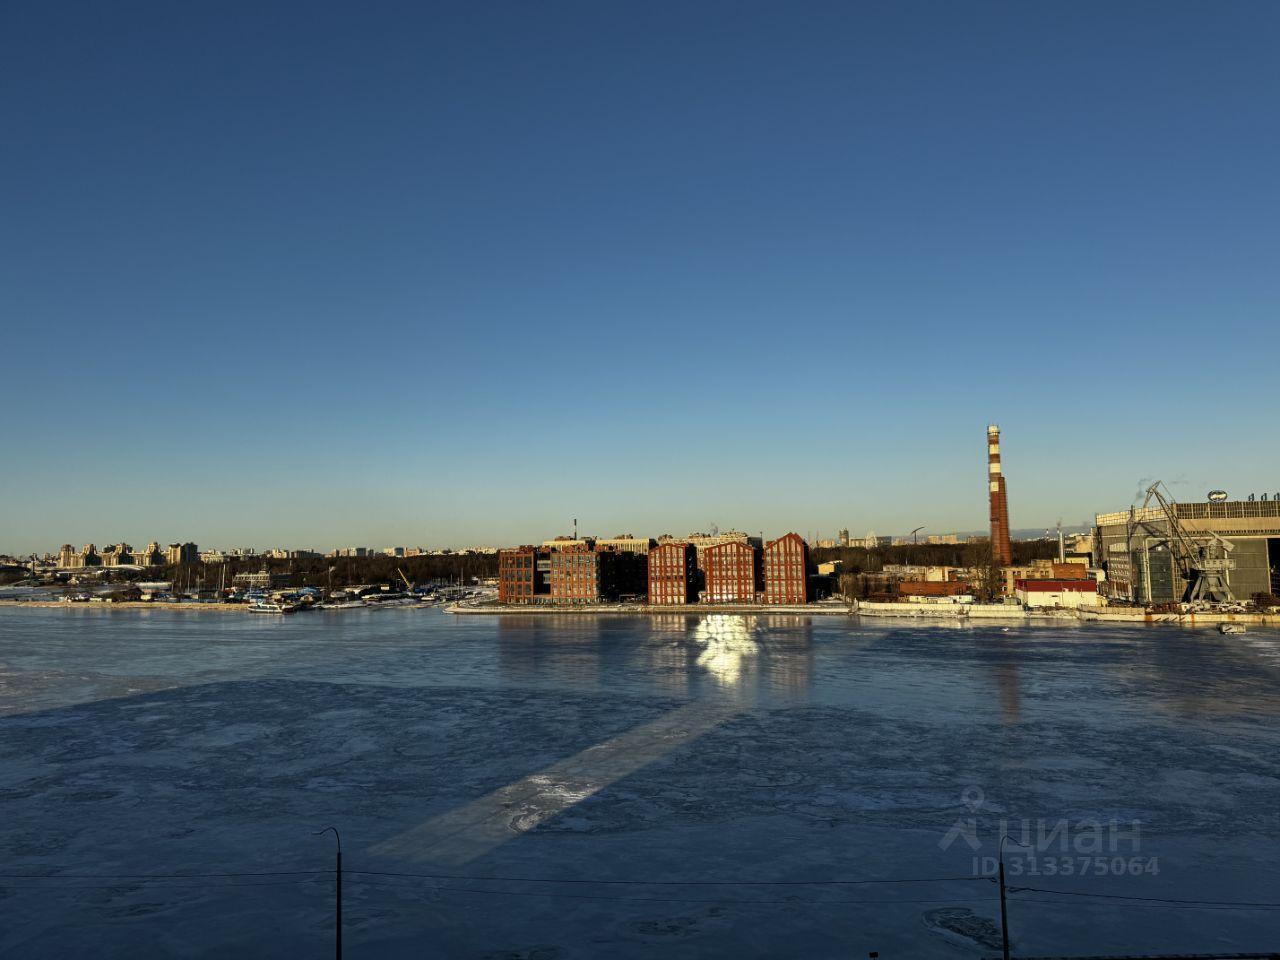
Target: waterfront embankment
972,612
123,605
491,608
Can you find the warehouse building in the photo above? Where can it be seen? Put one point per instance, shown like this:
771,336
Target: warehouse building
1136,548
786,570
732,573
589,574
1070,594
673,574
521,579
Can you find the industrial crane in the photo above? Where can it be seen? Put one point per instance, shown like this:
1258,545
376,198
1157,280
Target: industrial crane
1204,561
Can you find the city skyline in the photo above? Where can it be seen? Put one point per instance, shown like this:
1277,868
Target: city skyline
303,275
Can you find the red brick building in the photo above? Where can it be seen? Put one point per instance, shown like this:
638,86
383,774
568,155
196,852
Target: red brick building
585,573
786,570
731,573
575,574
519,579
672,574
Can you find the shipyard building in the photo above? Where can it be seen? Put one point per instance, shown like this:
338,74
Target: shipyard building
1138,550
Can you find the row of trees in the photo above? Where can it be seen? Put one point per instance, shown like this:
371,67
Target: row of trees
976,554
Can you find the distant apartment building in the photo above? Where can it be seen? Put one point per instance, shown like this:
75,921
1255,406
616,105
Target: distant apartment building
181,553
123,555
672,574
117,555
786,570
222,556
626,543
702,542
519,578
731,573
71,558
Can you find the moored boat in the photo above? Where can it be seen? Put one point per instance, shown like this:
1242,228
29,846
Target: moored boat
271,606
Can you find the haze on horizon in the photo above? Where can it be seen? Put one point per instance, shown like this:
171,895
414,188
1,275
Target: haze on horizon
316,275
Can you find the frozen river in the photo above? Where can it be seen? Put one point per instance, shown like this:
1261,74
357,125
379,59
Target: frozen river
538,788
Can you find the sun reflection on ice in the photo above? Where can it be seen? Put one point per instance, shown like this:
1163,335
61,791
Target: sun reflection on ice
729,648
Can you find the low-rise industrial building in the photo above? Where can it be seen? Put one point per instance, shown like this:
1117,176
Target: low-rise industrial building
932,589
1070,594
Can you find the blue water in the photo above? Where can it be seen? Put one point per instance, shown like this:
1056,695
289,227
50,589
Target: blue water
677,748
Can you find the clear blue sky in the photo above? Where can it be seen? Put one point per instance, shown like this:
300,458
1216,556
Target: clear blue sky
445,273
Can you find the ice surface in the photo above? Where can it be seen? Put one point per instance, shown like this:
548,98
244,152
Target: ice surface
678,748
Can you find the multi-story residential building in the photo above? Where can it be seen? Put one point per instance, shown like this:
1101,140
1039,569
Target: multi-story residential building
626,543
117,555
786,570
731,573
575,574
519,578
87,556
672,573
179,553
702,542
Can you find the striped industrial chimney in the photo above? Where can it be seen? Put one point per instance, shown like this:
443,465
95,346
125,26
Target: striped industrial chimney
1001,549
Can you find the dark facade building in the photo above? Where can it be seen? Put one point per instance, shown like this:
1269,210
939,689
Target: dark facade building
520,579
732,573
672,574
578,572
786,570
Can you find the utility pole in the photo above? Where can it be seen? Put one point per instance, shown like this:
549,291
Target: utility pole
337,874
1004,915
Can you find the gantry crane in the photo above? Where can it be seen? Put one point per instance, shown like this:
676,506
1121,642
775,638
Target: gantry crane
1204,560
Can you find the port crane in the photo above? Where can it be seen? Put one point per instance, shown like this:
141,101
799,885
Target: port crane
1203,560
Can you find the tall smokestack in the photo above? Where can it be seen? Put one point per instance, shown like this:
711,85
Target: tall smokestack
1001,549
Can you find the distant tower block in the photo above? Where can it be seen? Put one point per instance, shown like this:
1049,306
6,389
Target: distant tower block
1001,549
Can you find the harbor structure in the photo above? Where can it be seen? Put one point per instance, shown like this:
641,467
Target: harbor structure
1001,548
732,573
786,570
672,574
